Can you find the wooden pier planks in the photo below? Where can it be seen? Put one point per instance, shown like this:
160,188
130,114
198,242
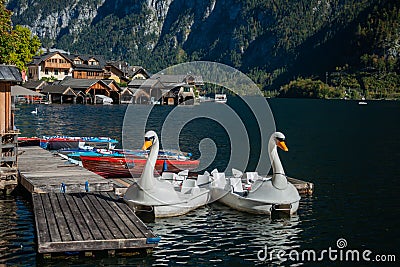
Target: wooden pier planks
40,171
87,222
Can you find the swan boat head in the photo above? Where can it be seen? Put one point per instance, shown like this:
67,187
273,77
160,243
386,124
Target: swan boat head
279,179
149,190
277,190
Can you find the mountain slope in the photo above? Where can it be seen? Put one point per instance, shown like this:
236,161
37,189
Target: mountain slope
274,40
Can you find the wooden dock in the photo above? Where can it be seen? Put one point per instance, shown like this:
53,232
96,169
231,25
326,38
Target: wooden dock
76,210
304,188
87,222
40,171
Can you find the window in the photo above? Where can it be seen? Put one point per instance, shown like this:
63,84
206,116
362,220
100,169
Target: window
55,71
93,62
65,72
46,71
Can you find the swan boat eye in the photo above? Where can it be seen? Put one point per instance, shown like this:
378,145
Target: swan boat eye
280,139
149,138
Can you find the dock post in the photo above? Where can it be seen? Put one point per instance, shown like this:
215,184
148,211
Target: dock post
62,188
87,186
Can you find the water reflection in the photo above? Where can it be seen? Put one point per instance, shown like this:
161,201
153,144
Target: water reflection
72,120
332,143
219,234
17,241
214,234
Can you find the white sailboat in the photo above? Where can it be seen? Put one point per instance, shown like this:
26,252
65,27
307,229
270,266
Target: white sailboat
167,195
258,194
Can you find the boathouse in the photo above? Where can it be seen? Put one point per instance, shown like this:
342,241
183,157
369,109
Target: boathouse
9,75
141,91
87,89
61,94
20,94
163,89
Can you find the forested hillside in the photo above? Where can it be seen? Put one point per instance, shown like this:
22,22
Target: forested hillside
274,41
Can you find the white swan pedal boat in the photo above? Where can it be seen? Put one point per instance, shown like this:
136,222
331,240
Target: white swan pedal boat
257,194
167,195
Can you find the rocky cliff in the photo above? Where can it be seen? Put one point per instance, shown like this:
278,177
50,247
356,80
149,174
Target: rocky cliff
270,35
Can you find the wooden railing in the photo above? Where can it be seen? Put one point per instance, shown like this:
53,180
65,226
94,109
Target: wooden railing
57,65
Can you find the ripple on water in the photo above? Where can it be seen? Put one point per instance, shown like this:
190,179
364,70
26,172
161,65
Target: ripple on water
17,240
216,234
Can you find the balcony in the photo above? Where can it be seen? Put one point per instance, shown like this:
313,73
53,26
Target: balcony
57,65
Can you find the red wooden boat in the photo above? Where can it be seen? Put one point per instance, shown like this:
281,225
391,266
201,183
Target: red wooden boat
121,167
28,141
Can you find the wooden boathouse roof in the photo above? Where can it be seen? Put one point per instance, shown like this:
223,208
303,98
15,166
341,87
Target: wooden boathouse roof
10,74
58,89
83,84
35,85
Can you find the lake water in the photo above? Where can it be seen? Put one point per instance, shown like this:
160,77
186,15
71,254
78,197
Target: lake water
350,152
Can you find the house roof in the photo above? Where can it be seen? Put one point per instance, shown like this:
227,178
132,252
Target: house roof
31,84
108,81
10,74
70,57
99,58
168,78
136,82
78,83
58,89
36,60
86,67
133,70
17,90
156,84
119,65
114,69
136,91
83,84
152,83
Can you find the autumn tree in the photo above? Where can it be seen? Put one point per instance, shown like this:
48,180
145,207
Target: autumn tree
17,44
